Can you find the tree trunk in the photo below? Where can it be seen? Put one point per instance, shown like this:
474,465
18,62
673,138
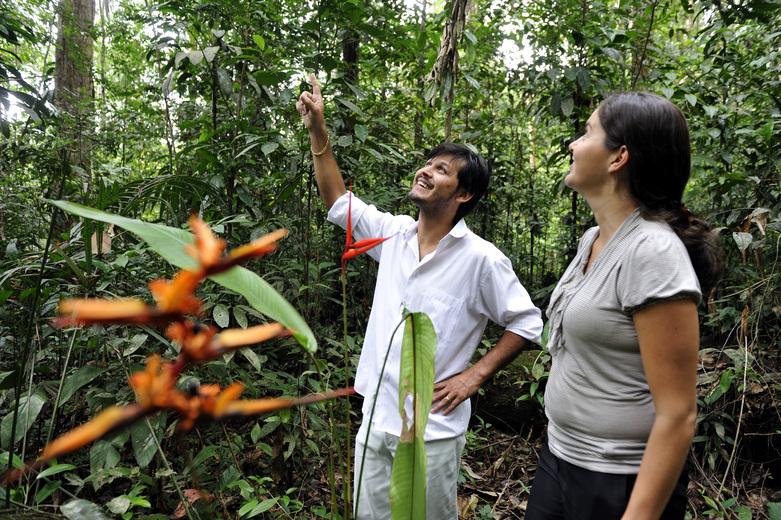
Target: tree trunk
74,89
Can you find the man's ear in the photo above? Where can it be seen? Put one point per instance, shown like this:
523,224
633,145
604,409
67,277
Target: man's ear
619,159
463,195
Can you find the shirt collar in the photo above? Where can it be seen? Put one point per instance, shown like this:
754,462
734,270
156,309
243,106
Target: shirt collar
458,231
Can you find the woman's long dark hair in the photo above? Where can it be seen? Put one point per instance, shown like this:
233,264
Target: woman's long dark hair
656,136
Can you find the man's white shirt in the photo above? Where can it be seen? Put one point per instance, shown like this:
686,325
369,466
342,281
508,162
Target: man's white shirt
460,286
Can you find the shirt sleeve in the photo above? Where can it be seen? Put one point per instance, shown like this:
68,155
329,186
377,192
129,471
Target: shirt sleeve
657,269
507,303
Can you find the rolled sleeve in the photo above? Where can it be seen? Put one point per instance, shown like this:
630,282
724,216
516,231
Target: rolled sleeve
508,304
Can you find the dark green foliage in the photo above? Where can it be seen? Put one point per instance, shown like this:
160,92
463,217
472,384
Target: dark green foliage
194,113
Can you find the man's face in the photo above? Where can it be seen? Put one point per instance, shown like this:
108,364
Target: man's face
435,186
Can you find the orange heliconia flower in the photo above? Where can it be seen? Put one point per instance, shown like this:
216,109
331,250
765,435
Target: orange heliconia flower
177,295
203,343
255,406
233,338
353,249
98,311
207,249
173,298
109,419
261,246
208,403
112,418
155,385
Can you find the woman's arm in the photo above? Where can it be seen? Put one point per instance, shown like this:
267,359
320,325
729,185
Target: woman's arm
668,333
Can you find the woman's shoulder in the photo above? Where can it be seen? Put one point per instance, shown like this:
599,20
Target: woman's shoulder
656,237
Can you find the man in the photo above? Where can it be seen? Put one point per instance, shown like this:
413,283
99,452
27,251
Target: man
437,266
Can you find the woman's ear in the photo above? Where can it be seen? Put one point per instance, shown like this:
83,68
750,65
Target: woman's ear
619,160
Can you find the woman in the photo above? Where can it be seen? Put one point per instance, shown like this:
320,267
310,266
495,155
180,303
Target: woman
621,395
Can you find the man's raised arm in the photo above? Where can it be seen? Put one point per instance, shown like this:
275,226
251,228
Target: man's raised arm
329,179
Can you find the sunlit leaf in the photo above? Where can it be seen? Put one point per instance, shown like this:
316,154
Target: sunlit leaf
269,147
361,132
259,41
118,505
78,509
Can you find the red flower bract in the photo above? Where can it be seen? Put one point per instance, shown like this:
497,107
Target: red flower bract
353,249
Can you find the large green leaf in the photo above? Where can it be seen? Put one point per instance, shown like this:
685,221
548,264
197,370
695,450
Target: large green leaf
29,408
170,243
416,387
82,377
144,445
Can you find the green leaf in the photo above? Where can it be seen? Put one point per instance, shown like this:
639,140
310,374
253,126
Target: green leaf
345,140
103,455
47,490
254,435
430,91
352,106
744,512
82,377
259,41
75,268
269,147
241,316
361,132
584,80
221,315
59,468
169,243
472,81
416,388
144,446
743,240
119,505
210,52
79,509
567,105
29,408
774,510
253,358
253,508
205,453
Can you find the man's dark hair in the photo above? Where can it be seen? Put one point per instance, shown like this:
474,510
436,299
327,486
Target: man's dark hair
473,176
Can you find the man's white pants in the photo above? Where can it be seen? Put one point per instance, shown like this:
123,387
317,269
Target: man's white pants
443,462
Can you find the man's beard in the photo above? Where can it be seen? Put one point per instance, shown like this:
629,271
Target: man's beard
431,207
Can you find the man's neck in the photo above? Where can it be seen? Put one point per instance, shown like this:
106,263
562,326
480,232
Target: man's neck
431,231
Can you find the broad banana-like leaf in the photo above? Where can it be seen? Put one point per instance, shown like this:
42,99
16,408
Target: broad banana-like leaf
416,388
170,243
